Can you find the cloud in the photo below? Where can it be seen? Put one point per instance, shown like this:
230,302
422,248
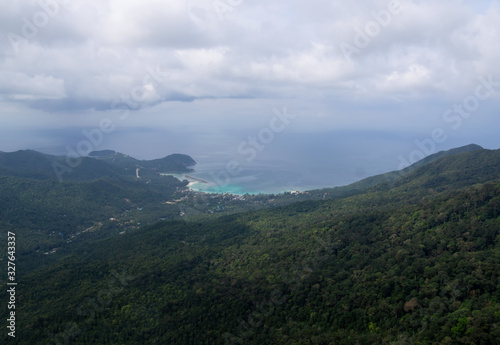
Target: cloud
21,87
89,55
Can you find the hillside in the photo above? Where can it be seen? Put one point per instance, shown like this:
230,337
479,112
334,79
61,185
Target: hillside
391,177
51,215
102,164
93,199
44,208
171,163
413,261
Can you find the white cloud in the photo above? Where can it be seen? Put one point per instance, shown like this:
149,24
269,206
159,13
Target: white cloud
91,53
20,86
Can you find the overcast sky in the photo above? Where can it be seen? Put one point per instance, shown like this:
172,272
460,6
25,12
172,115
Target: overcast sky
205,71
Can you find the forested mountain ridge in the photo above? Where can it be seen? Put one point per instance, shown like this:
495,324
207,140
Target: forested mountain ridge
50,213
393,176
43,208
414,261
94,198
36,165
171,163
33,164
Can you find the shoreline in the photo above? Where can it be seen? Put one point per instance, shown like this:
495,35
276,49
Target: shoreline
202,186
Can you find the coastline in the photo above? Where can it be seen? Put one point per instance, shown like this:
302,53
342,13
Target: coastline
197,184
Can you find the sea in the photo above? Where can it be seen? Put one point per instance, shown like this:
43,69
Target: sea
294,163
229,163
275,176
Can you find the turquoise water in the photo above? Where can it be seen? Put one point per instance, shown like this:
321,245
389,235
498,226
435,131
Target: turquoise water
228,188
293,163
236,186
271,177
212,187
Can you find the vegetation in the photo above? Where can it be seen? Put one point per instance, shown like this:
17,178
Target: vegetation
36,165
175,162
415,260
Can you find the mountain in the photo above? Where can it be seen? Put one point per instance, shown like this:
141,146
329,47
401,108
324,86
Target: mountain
413,260
26,163
436,156
41,209
456,171
89,194
171,163
101,164
364,184
30,200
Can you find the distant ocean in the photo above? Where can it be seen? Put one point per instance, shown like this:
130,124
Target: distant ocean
295,163
292,161
270,177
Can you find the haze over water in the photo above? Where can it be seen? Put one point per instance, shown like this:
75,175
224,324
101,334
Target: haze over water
296,162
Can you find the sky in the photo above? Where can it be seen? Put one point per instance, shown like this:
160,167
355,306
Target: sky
385,81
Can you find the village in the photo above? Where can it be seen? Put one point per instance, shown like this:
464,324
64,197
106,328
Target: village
185,204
